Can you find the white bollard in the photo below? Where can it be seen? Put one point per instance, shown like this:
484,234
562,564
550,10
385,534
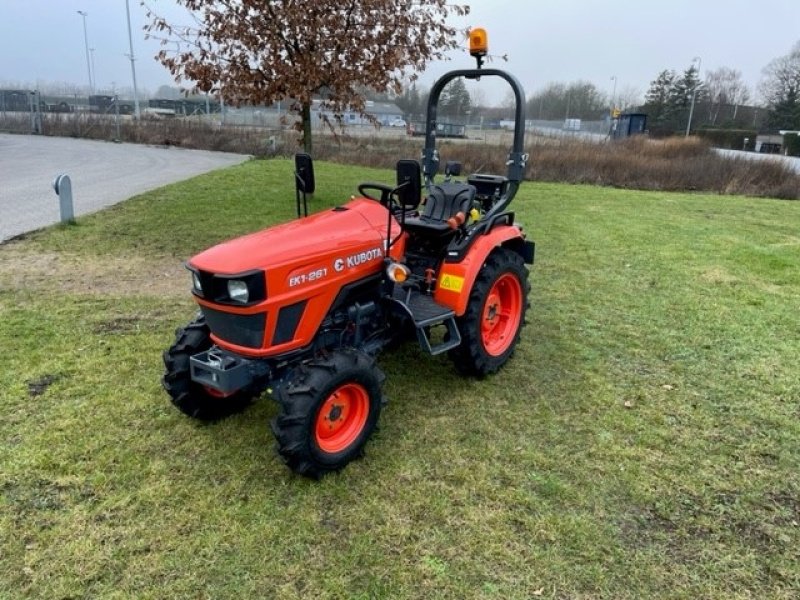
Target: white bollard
63,187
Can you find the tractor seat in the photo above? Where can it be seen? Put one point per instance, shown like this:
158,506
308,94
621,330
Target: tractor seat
444,201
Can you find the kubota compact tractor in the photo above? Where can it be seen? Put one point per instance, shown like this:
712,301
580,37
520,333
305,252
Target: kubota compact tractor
303,308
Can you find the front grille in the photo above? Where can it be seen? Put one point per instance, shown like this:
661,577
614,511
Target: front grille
288,320
242,330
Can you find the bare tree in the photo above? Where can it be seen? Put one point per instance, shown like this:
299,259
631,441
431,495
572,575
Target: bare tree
557,100
479,98
725,87
266,51
781,90
629,96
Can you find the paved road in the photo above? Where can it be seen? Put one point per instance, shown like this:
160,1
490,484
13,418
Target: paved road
791,161
102,174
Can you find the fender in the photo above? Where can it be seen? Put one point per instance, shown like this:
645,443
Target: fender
455,280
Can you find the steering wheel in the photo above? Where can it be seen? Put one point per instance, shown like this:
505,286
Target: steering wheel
385,191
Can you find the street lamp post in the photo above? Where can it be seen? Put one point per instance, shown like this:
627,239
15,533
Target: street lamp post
614,95
133,64
94,69
694,95
84,14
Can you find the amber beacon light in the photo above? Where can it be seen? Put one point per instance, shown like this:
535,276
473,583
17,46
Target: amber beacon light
478,42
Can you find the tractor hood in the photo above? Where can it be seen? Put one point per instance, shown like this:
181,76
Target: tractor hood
359,223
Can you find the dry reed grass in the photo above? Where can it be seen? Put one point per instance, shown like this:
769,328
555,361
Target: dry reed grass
639,163
673,164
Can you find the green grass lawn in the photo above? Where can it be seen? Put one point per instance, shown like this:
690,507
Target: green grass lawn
643,442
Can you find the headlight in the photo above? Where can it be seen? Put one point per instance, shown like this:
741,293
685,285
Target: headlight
237,291
198,286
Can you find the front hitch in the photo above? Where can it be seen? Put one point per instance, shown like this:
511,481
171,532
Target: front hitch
226,372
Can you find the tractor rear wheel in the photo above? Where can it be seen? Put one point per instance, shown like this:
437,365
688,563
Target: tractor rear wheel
193,399
490,327
329,407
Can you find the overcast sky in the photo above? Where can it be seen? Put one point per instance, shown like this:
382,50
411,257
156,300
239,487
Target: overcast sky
553,40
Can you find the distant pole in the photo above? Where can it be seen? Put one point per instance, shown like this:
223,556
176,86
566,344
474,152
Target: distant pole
694,95
116,116
84,14
94,70
614,94
133,63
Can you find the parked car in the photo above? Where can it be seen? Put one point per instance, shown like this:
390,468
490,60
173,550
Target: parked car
397,122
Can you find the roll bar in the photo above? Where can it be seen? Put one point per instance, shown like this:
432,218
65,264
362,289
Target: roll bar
517,159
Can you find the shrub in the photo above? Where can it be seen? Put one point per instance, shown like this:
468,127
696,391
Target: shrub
791,144
733,139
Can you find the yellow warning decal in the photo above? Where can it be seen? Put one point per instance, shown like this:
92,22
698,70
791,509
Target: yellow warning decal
454,283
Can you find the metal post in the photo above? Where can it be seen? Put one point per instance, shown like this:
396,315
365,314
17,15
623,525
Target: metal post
30,108
94,69
133,64
116,116
39,126
694,95
63,188
614,95
84,14
34,102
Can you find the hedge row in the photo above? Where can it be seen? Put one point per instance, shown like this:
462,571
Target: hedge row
791,144
734,139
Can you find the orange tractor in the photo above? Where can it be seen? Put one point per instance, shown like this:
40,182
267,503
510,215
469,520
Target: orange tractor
303,308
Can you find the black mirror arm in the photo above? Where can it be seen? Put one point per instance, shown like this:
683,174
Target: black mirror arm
392,242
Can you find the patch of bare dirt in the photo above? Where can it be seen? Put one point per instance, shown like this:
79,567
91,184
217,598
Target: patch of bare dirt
718,275
24,268
39,386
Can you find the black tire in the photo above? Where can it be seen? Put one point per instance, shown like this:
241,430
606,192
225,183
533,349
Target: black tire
189,397
315,386
472,356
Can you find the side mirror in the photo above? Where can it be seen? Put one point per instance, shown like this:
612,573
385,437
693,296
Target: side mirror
452,168
304,173
409,183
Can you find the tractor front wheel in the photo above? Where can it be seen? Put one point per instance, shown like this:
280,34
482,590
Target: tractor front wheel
329,407
191,398
490,327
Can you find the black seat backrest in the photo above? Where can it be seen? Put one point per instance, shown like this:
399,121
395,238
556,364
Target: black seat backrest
446,199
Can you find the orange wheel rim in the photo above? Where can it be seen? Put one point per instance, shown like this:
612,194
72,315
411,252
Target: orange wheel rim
501,314
216,393
341,418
